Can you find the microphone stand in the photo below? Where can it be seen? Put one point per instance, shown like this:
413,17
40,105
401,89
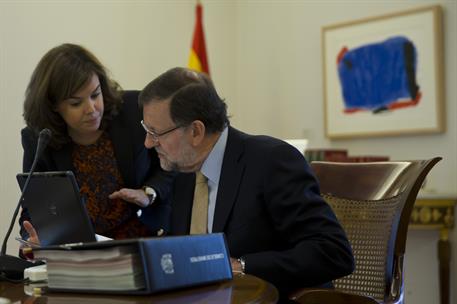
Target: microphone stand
12,267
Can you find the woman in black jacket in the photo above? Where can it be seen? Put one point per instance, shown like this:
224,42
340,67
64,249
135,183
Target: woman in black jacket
96,134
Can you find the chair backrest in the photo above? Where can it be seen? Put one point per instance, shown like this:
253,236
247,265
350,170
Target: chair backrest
373,202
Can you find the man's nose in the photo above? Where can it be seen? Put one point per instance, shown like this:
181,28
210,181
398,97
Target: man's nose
149,143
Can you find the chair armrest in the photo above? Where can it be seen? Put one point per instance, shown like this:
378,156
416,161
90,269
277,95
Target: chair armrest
321,296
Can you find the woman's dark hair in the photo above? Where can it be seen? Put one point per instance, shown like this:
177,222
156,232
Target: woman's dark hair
61,72
193,97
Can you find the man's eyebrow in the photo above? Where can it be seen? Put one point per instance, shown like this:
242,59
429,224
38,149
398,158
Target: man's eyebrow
149,127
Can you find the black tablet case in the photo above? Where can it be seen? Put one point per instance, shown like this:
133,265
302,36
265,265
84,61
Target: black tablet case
55,208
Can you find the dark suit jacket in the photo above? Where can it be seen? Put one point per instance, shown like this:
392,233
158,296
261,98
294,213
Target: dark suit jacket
138,166
269,207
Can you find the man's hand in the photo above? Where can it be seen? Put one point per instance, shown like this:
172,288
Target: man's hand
236,266
135,196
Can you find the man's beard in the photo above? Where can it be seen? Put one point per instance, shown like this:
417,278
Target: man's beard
169,166
187,156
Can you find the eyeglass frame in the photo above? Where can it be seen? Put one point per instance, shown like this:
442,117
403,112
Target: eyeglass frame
156,136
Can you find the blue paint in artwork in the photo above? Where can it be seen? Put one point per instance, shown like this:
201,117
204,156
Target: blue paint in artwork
376,76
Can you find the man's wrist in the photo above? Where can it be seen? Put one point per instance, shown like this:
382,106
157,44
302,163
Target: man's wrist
242,264
150,193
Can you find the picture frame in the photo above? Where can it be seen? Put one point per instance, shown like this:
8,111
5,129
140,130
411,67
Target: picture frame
383,76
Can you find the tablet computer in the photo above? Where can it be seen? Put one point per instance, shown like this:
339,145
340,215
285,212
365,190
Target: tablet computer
55,208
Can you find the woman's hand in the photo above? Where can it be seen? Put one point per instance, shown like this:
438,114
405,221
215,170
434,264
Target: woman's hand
33,236
135,196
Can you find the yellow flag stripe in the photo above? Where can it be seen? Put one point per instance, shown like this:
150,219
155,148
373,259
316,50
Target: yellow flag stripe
194,62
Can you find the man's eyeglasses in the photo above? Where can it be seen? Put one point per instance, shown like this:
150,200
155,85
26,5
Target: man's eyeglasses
154,135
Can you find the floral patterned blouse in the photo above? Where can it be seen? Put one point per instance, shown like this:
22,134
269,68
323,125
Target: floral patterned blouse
98,176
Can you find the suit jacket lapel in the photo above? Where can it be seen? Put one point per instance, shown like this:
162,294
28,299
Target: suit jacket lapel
182,203
63,158
229,182
123,150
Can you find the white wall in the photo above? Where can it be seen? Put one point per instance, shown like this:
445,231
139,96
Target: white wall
265,58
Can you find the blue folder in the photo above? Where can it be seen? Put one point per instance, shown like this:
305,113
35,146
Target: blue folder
168,262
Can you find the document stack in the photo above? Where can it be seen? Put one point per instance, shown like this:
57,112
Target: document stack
114,268
137,266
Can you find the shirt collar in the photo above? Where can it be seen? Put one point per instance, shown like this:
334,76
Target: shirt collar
212,165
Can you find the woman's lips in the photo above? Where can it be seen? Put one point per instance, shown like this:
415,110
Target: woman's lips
92,121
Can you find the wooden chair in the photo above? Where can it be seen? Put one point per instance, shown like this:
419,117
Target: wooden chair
373,202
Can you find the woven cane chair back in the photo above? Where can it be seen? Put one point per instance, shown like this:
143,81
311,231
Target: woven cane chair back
373,202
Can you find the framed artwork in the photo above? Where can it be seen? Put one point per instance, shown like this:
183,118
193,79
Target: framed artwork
383,75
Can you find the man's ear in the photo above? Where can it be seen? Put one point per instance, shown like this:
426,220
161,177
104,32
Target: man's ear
198,132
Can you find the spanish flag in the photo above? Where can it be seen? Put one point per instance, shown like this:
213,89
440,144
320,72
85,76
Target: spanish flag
197,57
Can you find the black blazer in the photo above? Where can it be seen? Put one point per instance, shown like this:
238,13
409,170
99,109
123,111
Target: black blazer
269,207
138,166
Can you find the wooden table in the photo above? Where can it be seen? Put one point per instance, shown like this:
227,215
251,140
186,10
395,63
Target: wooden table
242,289
437,212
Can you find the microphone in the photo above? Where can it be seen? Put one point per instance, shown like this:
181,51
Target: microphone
43,140
12,267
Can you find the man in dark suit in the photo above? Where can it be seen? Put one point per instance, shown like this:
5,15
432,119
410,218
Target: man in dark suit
261,192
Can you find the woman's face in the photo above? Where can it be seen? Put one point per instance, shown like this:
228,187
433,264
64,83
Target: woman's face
83,111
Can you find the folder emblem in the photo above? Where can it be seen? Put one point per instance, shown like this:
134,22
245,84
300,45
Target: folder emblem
167,263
